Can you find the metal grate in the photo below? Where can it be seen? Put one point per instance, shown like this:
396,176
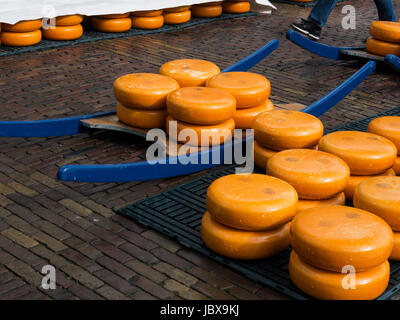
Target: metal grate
178,212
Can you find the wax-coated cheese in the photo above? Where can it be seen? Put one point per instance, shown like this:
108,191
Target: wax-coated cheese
388,127
365,153
148,23
23,26
315,175
177,9
307,204
115,16
251,201
70,20
332,237
20,39
63,32
287,129
146,119
150,13
177,17
236,6
262,155
211,11
244,117
395,255
199,105
385,31
382,48
396,166
111,25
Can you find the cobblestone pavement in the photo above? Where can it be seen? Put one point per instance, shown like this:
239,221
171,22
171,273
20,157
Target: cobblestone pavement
100,255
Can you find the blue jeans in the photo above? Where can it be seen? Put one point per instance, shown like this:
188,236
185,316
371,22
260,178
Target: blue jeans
320,13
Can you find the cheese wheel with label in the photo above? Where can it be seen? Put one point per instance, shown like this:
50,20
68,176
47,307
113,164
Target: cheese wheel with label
244,117
177,9
148,23
251,201
240,244
395,255
326,285
262,155
388,127
354,181
199,105
315,175
365,153
396,166
381,196
20,39
177,17
332,237
249,89
382,48
111,25
339,200
150,13
190,72
201,135
70,20
23,26
287,129
63,33
146,119
236,6
206,11
144,90
385,31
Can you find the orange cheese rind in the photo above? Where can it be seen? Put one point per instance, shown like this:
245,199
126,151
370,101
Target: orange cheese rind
148,23
139,118
395,255
236,6
206,11
111,25
382,48
385,31
388,127
20,39
244,117
339,200
177,17
63,33
262,155
23,26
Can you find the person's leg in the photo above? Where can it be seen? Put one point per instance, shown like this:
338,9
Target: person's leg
320,13
385,10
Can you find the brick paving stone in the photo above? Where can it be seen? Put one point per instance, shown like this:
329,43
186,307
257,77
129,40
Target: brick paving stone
142,295
49,241
52,257
75,207
116,267
152,288
82,276
80,260
176,274
171,258
115,281
22,189
138,240
83,292
112,251
162,240
138,253
111,294
20,238
25,272
183,291
145,270
212,292
16,293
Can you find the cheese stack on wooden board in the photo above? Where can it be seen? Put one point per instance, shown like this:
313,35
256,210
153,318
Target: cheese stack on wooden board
248,216
112,22
21,34
67,28
385,38
149,20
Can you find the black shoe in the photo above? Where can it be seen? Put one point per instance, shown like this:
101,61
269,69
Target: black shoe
308,28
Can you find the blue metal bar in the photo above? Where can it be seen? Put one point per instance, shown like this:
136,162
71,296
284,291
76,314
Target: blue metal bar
393,60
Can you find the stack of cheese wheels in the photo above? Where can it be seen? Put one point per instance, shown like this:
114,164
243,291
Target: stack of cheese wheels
318,177
248,216
251,92
365,153
23,33
177,15
207,10
236,6
385,38
340,253
279,130
142,99
67,28
149,20
388,127
190,72
112,22
381,196
200,116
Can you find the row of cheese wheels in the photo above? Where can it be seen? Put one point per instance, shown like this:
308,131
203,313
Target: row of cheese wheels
385,38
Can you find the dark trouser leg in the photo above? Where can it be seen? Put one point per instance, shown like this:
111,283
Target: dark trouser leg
385,10
320,13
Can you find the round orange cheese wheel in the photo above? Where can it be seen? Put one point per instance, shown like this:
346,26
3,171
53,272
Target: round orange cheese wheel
115,16
236,6
315,175
63,32
240,244
148,22
381,196
70,20
354,181
327,285
146,119
262,155
23,26
245,117
249,89
287,129
150,13
177,17
396,166
395,255
385,31
332,237
201,135
365,153
111,25
199,105
213,3
382,48
388,127
177,9
251,201
212,11
339,200
190,72
144,90
20,39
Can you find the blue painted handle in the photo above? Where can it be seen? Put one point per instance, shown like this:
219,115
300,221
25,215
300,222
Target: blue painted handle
335,96
393,60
